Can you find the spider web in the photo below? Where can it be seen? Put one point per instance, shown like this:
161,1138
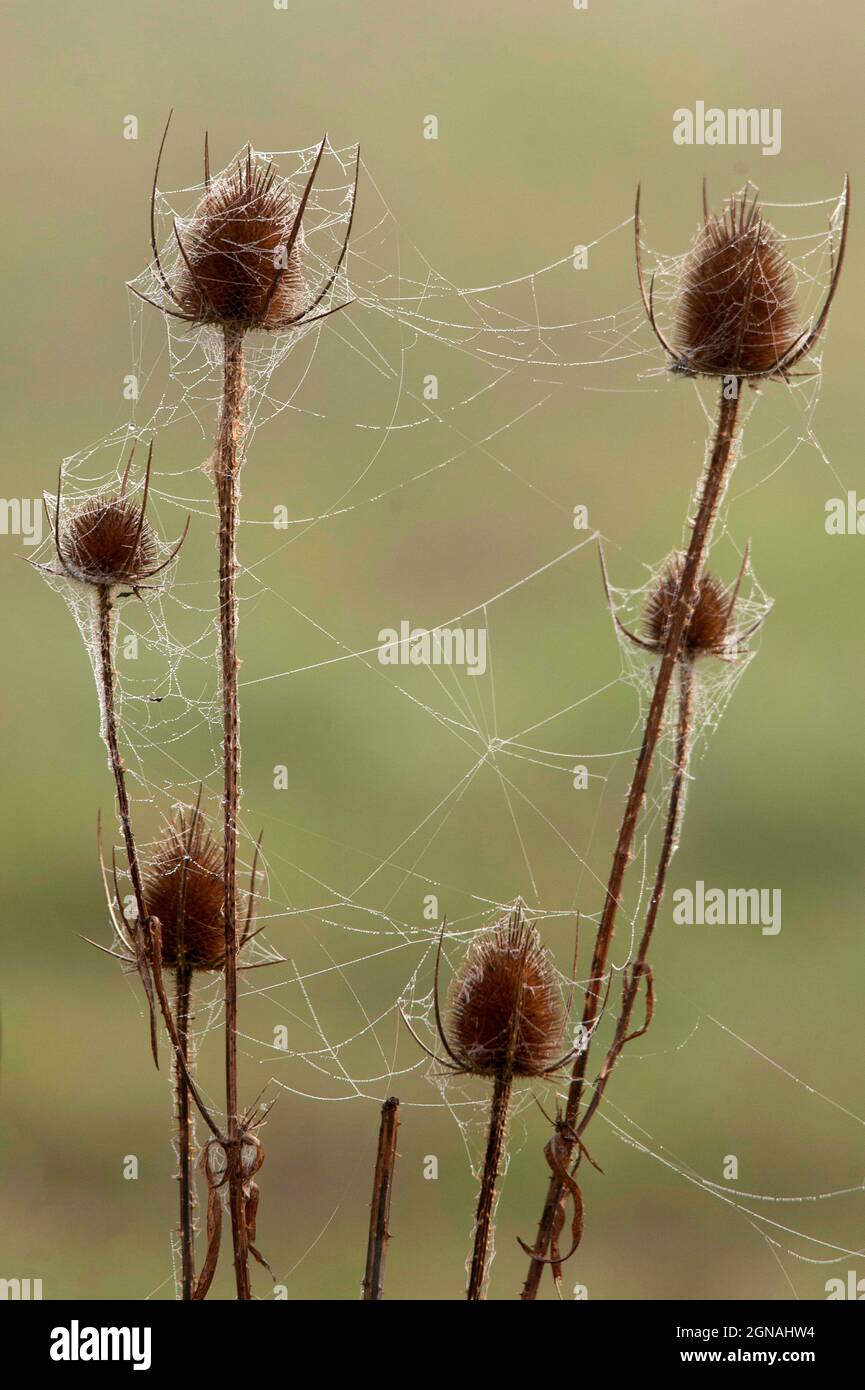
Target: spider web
496,756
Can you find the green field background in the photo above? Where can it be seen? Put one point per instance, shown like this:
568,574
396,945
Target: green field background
548,117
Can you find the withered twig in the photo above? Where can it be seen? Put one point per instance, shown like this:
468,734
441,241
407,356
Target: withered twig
379,1209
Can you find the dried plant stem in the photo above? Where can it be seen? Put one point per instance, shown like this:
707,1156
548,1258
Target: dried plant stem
177,1029
105,607
499,1107
713,486
227,462
185,1135
632,979
379,1211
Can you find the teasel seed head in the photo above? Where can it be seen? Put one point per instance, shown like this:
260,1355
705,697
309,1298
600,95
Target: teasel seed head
735,312
506,1010
709,627
183,889
712,629
240,254
235,267
103,542
106,540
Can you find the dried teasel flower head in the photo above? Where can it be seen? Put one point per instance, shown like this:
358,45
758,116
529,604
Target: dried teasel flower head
736,308
711,629
106,540
228,271
241,252
736,312
506,1010
183,889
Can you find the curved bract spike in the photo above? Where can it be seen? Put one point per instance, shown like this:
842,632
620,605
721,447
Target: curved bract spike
755,626
57,517
626,632
648,301
119,931
294,233
106,950
316,318
250,907
172,313
205,299
746,558
173,555
653,321
572,983
153,246
134,550
438,1015
125,478
343,251
439,1060
556,1066
810,338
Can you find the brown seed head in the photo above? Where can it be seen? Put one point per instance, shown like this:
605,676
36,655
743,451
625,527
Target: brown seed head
506,1009
234,269
183,889
104,541
736,310
708,628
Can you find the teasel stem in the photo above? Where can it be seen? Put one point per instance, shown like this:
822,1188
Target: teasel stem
379,1211
185,1135
496,1133
639,969
711,493
105,611
228,460
178,1029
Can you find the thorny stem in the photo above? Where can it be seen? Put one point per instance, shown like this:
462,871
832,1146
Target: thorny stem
186,1085
675,804
711,493
177,1032
185,1135
106,671
499,1108
379,1211
228,459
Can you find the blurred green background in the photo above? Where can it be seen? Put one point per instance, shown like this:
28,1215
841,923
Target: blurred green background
548,117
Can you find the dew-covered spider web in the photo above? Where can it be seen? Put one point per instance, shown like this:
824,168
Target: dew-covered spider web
438,711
